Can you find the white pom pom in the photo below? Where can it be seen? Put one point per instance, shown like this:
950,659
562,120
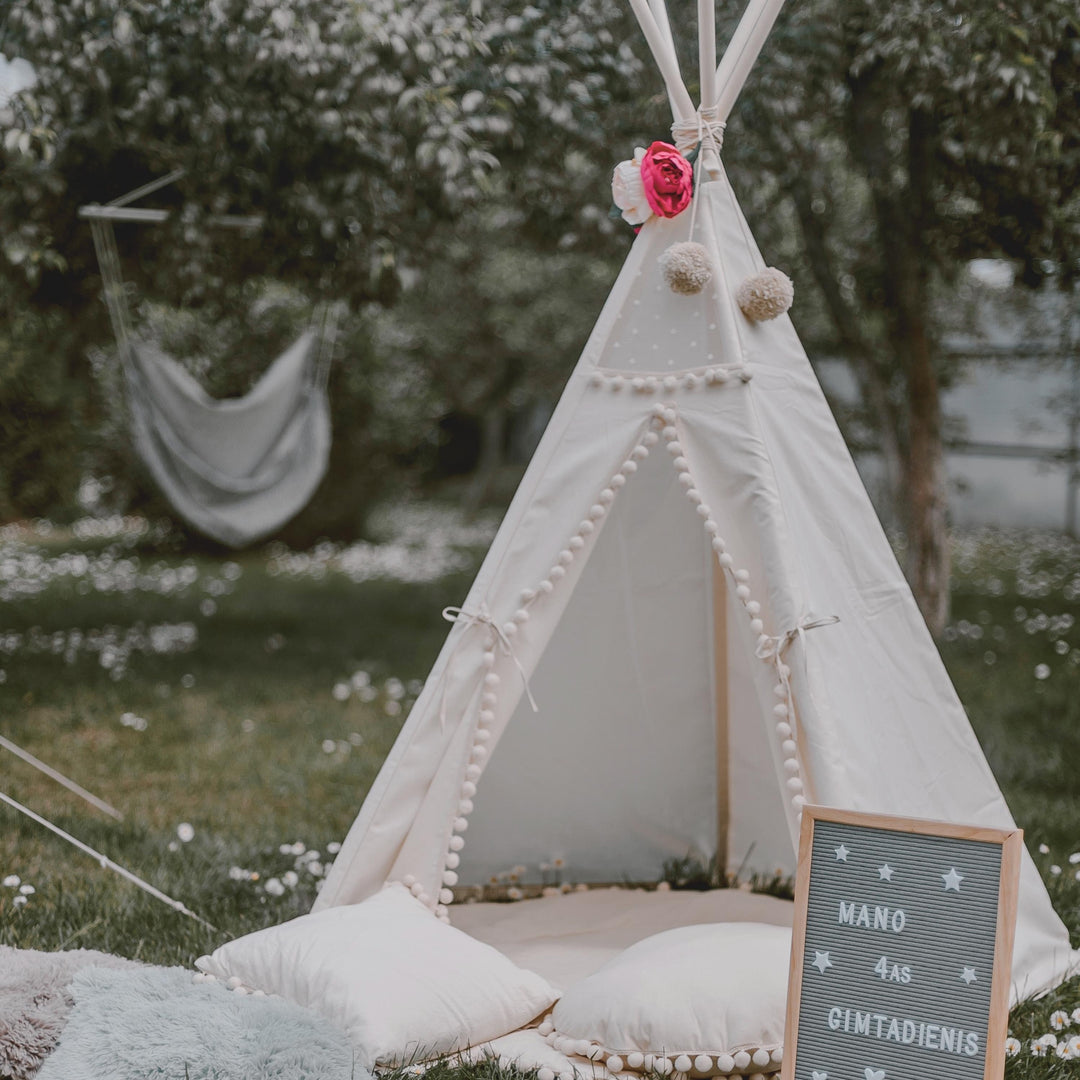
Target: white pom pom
686,267
791,767
777,1055
449,877
416,888
662,1065
546,1027
446,896
742,1060
650,438
491,679
582,1047
783,729
635,1060
614,1063
545,1074
198,977
408,881
472,772
789,747
725,1063
456,843
557,573
234,982
460,824
756,626
453,860
760,1057
766,295
703,1063
683,1064
468,789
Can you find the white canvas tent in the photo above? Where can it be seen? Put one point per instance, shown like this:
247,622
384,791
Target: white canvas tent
694,590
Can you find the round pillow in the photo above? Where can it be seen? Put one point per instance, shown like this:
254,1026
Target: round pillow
697,1001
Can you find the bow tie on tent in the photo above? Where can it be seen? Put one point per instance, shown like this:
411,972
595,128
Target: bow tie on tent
236,469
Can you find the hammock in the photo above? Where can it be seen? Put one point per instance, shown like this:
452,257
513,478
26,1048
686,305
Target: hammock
236,469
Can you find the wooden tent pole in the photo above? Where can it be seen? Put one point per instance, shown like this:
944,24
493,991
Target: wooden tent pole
721,691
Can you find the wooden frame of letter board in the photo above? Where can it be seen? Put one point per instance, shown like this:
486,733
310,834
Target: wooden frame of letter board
1012,846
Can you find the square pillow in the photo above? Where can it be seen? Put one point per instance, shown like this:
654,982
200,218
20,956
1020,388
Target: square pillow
402,985
697,1001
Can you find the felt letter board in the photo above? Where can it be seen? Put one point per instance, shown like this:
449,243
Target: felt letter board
901,949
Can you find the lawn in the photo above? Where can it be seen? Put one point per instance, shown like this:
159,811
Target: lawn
237,709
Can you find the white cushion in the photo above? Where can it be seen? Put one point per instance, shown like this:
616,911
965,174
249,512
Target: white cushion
402,985
701,1000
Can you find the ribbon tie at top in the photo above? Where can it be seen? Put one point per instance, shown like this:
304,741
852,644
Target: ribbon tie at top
703,128
483,617
773,648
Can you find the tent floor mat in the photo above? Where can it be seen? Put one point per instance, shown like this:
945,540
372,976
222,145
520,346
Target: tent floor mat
566,938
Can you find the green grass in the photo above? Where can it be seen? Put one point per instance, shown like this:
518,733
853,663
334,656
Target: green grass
245,741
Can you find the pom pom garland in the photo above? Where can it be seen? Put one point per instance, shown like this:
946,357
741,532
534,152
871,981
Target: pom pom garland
766,295
703,1063
686,268
683,1064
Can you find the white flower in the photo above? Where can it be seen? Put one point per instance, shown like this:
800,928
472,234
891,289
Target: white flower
298,847
628,192
274,887
515,894
15,76
1074,858
290,878
12,881
1042,671
1012,1047
286,849
1055,869
392,708
341,691
333,847
1043,849
315,869
1059,1019
19,901
237,873
1076,1016
1049,1039
27,890
185,832
328,746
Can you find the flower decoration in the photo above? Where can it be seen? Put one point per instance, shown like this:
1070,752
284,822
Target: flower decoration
668,179
658,181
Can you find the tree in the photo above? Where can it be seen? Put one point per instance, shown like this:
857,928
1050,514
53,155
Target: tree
359,129
903,141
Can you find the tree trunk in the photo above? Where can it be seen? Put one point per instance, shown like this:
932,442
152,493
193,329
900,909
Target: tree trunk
902,212
492,438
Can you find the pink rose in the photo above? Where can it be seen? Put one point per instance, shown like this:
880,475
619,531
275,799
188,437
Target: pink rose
668,179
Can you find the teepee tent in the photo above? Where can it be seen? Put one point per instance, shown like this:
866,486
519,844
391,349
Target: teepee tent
690,622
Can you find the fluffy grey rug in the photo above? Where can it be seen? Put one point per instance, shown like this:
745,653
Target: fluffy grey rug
34,1003
156,1024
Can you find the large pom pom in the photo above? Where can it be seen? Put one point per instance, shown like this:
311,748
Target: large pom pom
686,268
766,295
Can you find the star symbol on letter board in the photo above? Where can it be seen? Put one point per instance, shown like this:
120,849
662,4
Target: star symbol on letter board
842,853
885,872
968,975
821,961
952,880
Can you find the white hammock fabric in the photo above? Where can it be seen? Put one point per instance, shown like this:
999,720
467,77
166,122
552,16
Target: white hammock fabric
235,469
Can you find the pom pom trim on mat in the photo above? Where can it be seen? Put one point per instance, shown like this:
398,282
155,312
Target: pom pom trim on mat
766,295
686,268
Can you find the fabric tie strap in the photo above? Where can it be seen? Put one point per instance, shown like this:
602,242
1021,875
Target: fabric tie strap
483,617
